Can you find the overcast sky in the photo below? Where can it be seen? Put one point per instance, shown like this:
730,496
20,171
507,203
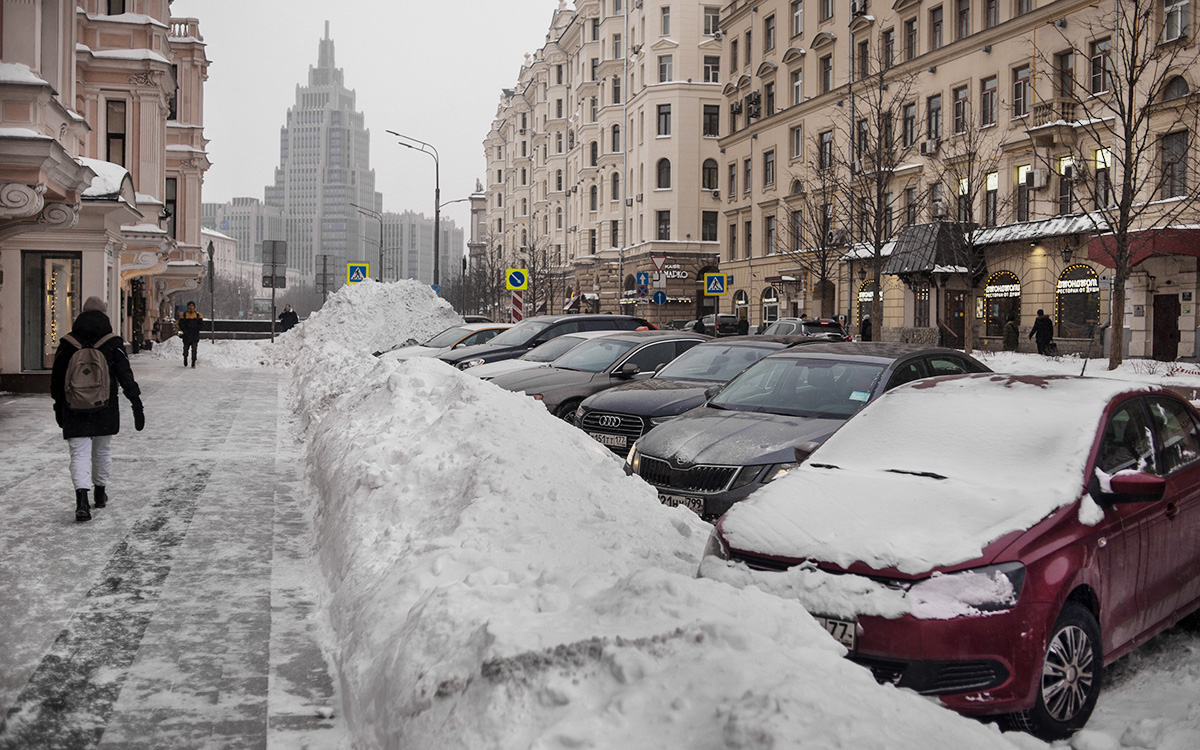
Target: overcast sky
431,69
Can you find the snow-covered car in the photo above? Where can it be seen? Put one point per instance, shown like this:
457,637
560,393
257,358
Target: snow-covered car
454,337
532,332
539,356
995,541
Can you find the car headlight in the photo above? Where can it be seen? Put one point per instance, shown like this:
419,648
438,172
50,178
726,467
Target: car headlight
579,415
777,471
656,421
716,546
633,461
992,588
745,476
469,364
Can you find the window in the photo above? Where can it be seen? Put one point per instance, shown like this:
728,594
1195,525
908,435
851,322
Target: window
733,55
664,119
769,168
864,59
1023,193
1077,297
749,47
712,69
616,138
614,232
747,175
1024,6
966,202
712,19
1103,186
991,198
1102,66
1174,164
769,235
1176,88
910,39
1126,442
862,136
558,218
769,33
733,240
616,187
711,122
935,28
1064,64
910,125
708,226
558,181
769,97
797,87
732,178
889,49
992,13
593,198
826,74
558,75
592,241
1020,91
1177,435
987,101
797,139
616,89
749,239
115,132
595,67
797,17
826,10
933,117
665,22
963,12
825,157
1175,19
921,305
171,205
912,206
663,170
665,68
116,7
594,156
1066,186
595,29
961,109
708,174
664,224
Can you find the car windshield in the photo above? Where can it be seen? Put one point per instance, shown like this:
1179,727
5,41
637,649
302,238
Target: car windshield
714,363
594,355
802,387
780,328
521,333
816,328
448,337
553,349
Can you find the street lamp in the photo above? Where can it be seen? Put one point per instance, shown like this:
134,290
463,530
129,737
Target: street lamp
437,194
212,297
369,212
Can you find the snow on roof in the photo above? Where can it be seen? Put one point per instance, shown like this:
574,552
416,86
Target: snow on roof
108,179
863,251
22,133
1035,230
189,149
147,200
19,73
142,229
189,263
214,233
131,18
126,54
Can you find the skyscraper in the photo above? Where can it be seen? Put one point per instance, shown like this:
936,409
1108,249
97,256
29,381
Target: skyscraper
324,174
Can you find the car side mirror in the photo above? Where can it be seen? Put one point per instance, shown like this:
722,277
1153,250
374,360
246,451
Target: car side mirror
711,391
628,370
804,450
1136,487
660,366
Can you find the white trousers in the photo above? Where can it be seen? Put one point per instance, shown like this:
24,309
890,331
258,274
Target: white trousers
91,461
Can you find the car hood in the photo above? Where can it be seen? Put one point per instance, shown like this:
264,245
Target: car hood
543,379
653,397
734,438
493,369
416,350
480,351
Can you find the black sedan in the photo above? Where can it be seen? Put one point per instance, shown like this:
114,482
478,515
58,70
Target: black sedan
619,416
532,332
598,364
747,434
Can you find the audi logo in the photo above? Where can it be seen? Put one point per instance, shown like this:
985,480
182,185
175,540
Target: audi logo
609,421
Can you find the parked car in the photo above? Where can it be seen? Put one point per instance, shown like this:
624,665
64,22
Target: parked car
824,328
1038,530
539,356
721,324
453,337
534,331
476,319
619,416
598,364
745,435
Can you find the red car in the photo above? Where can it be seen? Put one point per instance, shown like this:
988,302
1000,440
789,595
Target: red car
990,540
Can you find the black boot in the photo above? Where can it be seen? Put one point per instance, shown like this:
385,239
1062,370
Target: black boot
100,499
82,512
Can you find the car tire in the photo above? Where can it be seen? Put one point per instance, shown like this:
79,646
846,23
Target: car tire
1071,673
566,411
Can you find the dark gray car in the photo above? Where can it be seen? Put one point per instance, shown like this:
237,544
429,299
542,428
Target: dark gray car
596,365
747,434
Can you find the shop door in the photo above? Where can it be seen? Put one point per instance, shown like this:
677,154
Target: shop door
1166,327
956,315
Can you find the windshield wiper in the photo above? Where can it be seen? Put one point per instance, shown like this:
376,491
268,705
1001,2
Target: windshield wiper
928,474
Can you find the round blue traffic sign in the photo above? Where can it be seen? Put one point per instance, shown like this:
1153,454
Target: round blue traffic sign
660,297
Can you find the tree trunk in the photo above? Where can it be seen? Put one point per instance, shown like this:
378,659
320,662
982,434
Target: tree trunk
1117,316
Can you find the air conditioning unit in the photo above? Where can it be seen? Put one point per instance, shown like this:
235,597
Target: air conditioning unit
1035,179
716,194
858,7
736,108
639,197
834,237
938,209
629,201
1069,172
718,34
930,147
520,131
637,4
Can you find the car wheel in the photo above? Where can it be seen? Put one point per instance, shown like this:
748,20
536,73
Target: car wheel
1072,669
566,411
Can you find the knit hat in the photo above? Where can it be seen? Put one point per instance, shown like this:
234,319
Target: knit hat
95,303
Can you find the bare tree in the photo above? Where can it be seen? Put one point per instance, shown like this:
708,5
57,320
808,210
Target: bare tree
1121,140
811,236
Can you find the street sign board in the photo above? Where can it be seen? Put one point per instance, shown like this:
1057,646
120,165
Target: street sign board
516,278
437,289
274,252
276,282
659,261
643,278
643,290
714,284
517,311
357,272
660,297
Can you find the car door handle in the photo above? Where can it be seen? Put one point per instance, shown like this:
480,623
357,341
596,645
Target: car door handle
1172,510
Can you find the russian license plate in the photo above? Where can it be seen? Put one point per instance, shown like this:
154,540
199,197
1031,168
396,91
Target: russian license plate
695,504
843,631
612,441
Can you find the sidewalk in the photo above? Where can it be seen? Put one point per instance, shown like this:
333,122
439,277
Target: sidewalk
183,614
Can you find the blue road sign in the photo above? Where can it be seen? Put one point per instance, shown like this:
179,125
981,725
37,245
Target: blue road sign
643,278
516,279
437,289
357,272
660,297
714,284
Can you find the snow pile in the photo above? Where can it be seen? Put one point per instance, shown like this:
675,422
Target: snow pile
497,581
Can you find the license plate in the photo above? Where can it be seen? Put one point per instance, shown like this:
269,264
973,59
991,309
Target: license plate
843,631
612,441
694,504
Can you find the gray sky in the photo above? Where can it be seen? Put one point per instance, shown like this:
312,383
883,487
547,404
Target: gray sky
432,69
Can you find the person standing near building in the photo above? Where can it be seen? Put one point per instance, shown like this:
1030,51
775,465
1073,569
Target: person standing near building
1012,334
189,331
89,431
1042,332
288,319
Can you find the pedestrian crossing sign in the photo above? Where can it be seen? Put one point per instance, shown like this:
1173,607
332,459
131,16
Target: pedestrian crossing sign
714,284
357,272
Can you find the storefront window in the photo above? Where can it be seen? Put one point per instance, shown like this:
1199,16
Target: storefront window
1078,300
1002,297
866,295
770,305
741,305
50,302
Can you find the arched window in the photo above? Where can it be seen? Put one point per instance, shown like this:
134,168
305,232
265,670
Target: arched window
593,198
616,138
1078,300
1002,295
708,174
1176,88
558,217
595,153
797,187
741,304
770,305
616,187
664,174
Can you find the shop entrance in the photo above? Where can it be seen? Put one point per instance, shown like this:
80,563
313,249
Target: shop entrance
1166,327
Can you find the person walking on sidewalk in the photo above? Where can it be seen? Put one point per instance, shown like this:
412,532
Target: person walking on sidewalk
1042,332
89,432
288,319
189,331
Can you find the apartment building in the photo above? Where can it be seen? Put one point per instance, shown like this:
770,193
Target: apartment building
860,138
597,160
102,154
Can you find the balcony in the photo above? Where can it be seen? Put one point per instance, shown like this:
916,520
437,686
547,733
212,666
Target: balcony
1053,122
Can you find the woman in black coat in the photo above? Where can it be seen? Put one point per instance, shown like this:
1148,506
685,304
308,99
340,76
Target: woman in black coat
89,433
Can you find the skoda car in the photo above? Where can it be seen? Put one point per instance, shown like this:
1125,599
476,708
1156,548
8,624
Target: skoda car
990,541
745,435
619,416
534,331
598,364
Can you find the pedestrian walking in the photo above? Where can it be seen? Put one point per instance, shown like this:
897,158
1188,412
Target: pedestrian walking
743,327
88,367
864,328
288,319
700,327
1042,332
189,331
1012,334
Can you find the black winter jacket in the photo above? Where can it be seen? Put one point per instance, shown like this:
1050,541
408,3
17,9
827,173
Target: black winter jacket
89,328
1043,329
189,327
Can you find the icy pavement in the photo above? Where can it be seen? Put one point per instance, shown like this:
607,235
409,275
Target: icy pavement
182,615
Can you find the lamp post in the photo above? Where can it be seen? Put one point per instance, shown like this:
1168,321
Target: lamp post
379,218
437,195
212,298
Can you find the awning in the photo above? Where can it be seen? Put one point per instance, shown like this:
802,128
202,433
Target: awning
937,247
1147,244
1031,231
572,304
